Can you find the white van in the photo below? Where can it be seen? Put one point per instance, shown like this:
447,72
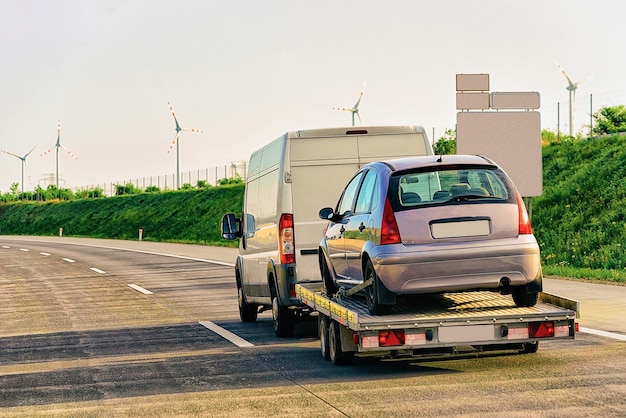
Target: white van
288,181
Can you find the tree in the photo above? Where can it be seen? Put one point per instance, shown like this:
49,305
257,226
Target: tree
447,143
610,120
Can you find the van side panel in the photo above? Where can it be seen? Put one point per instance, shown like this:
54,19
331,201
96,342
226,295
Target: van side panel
260,230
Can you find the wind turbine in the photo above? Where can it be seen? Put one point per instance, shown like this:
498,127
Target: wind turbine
175,141
23,161
354,109
571,87
57,146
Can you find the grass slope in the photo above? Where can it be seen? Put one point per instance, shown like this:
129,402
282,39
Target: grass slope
191,216
579,219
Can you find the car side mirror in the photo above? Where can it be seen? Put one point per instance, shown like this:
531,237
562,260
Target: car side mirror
327,214
231,227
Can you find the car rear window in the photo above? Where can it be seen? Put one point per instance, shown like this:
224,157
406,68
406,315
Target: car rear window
449,186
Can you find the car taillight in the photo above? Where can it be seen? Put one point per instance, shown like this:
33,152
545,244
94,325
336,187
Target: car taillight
389,232
285,235
524,220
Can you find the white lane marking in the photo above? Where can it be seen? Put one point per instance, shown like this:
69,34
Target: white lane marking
606,334
140,289
233,338
46,254
24,249
97,270
69,260
5,246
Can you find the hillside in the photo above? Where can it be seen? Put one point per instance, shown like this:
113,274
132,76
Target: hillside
579,220
191,216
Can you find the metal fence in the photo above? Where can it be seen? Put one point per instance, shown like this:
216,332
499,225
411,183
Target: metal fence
210,176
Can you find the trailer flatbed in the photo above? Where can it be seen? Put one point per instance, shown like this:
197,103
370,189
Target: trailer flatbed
438,323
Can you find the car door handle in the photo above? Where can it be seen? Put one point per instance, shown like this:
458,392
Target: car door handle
361,227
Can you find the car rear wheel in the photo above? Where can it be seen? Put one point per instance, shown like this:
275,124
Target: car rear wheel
372,293
522,298
284,318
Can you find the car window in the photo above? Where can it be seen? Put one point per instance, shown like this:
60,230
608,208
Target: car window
368,194
474,184
346,204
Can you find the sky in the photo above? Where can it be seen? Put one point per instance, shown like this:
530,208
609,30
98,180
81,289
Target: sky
247,71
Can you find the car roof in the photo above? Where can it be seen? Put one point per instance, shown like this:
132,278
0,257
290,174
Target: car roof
407,163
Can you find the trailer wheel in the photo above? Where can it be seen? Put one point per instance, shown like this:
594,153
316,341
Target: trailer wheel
247,312
337,355
372,293
530,348
323,323
284,318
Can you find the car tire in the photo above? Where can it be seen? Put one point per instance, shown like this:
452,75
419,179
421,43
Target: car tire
284,318
329,284
247,312
522,298
372,293
336,354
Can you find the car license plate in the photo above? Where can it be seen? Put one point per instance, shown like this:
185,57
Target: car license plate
457,229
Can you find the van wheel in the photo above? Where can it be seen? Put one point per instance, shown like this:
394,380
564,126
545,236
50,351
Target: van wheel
284,318
336,354
524,299
247,312
323,325
329,284
371,293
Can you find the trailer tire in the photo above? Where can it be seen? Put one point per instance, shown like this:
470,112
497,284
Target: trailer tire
284,318
372,293
247,312
323,325
337,355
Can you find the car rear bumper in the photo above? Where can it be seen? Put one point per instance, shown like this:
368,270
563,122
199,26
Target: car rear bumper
432,269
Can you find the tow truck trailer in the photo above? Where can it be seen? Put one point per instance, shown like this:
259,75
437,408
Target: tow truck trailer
442,324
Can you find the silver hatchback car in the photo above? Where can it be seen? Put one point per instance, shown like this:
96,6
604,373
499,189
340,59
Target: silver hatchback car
431,224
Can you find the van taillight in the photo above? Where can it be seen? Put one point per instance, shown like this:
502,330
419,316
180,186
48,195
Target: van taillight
389,232
524,220
285,235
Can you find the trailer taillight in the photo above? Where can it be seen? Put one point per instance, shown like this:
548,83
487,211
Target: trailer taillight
391,338
285,235
541,329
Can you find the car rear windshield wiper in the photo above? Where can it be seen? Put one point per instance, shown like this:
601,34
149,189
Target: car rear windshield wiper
467,197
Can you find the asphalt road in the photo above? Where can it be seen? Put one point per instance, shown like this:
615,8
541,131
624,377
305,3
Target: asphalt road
88,327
